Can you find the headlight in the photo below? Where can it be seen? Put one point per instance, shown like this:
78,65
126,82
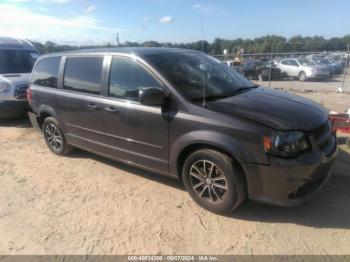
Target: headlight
285,144
4,87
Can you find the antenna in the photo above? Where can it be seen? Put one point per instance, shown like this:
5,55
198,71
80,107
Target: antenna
204,67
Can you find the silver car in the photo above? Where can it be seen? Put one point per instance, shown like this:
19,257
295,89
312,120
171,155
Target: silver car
303,69
17,58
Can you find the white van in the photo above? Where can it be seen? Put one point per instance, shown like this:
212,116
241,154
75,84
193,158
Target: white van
17,58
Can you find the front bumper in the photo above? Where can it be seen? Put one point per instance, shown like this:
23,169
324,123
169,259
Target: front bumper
12,108
289,182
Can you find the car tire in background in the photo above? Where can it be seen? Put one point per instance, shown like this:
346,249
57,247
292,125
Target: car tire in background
54,137
214,180
262,77
302,76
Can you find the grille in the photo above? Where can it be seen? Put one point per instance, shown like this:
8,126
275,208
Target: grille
324,138
21,92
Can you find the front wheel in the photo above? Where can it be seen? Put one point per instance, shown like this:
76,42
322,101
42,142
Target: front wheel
54,137
213,180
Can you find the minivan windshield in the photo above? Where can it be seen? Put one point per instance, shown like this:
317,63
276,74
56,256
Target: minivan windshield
193,72
16,61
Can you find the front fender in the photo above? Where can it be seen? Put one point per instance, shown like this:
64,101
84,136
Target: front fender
210,138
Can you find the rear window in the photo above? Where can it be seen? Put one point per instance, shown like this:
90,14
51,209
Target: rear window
46,72
83,74
16,61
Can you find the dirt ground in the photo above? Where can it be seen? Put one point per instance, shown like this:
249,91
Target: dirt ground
85,204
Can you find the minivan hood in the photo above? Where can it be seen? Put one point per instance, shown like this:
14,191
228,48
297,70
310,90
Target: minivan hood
15,79
276,109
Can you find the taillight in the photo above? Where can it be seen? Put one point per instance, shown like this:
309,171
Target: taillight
29,95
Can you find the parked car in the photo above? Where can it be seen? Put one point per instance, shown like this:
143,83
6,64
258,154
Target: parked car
17,58
303,69
186,115
340,61
260,70
335,68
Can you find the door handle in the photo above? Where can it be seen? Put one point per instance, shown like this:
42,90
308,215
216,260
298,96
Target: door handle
111,109
92,106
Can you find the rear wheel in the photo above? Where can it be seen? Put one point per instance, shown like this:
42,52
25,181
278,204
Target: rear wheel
213,180
302,76
262,77
54,137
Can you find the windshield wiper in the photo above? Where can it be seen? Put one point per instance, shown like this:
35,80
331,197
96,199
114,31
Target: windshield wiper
208,98
241,89
222,96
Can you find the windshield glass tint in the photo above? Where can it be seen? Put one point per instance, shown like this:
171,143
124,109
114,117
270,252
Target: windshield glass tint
190,71
16,61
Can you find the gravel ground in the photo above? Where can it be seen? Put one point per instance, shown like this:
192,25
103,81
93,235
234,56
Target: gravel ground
323,92
85,204
330,85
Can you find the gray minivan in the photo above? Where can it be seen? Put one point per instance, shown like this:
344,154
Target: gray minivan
183,114
17,58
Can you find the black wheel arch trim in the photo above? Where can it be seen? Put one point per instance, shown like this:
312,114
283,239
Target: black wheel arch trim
211,139
48,110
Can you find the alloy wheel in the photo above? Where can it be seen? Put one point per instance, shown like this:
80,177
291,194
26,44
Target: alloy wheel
53,137
208,181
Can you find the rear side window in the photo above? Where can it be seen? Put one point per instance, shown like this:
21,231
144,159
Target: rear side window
46,72
83,74
293,63
127,78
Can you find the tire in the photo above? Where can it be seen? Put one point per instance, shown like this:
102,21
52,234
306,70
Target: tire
348,142
54,137
221,188
302,76
261,77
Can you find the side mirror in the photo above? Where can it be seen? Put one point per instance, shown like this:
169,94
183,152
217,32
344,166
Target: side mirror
151,96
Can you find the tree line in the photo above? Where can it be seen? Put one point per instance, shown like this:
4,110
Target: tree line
265,44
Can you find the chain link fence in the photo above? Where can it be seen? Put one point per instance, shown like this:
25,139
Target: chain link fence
307,71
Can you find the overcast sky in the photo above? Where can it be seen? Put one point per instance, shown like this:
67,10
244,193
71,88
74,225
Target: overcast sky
98,22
